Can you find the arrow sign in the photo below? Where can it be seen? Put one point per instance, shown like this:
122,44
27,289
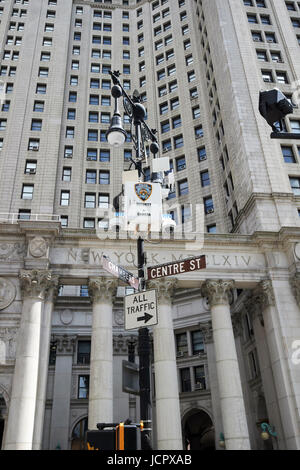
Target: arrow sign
146,318
140,309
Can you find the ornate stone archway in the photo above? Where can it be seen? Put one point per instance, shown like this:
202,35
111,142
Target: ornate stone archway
198,430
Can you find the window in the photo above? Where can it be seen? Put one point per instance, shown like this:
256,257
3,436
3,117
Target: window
295,126
67,173
30,167
92,135
178,141
199,376
288,154
104,155
38,106
208,205
36,125
83,386
24,214
104,177
295,185
103,201
68,152
27,191
33,144
197,342
71,114
70,132
41,89
83,352
88,223
181,344
180,163
205,181
64,198
185,379
90,200
91,177
183,187
201,151
91,154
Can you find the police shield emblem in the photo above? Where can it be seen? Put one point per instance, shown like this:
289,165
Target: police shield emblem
143,191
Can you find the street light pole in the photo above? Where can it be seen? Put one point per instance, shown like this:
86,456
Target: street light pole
116,136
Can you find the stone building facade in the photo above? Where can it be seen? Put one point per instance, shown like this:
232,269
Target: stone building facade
226,348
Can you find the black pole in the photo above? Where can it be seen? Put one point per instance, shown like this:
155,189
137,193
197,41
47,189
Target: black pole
144,340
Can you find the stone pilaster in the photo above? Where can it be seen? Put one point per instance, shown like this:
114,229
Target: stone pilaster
50,296
102,291
234,420
35,285
207,332
169,435
60,416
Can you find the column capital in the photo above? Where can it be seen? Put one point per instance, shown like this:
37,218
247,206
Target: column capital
164,287
102,288
217,290
37,283
65,344
295,283
206,330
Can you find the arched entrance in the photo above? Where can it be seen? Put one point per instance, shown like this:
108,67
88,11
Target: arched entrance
3,412
78,435
198,431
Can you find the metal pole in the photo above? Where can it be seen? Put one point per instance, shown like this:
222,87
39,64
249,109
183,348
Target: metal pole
144,340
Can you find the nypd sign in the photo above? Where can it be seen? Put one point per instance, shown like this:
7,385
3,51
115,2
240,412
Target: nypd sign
143,204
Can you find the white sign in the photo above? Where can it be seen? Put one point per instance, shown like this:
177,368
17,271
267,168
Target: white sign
141,310
143,205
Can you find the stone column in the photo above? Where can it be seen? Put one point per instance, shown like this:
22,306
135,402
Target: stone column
229,380
282,327
102,291
206,329
255,305
21,416
60,416
44,363
168,419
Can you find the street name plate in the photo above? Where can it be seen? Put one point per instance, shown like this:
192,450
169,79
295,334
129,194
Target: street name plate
178,267
141,310
119,272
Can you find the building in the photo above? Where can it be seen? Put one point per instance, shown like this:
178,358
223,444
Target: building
199,67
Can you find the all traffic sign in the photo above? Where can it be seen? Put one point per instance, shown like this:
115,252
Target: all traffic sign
141,310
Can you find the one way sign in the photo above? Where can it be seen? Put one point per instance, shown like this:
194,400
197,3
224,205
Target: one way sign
141,310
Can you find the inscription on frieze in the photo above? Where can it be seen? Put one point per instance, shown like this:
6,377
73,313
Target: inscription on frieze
227,261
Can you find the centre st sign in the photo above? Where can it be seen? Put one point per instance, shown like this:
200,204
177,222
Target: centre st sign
178,267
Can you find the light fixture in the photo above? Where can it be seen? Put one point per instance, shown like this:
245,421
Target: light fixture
116,134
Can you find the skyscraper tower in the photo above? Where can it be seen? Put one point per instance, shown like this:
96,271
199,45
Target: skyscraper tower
198,66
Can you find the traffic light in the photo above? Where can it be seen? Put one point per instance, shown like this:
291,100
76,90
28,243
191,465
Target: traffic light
103,439
274,106
120,436
127,437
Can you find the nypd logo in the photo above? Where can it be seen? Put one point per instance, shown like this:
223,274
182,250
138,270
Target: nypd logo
143,191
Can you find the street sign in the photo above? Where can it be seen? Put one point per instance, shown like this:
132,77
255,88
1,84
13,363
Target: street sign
119,272
141,310
178,267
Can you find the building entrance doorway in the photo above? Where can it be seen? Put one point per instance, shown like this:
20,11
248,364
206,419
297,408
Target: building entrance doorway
2,420
198,431
78,435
